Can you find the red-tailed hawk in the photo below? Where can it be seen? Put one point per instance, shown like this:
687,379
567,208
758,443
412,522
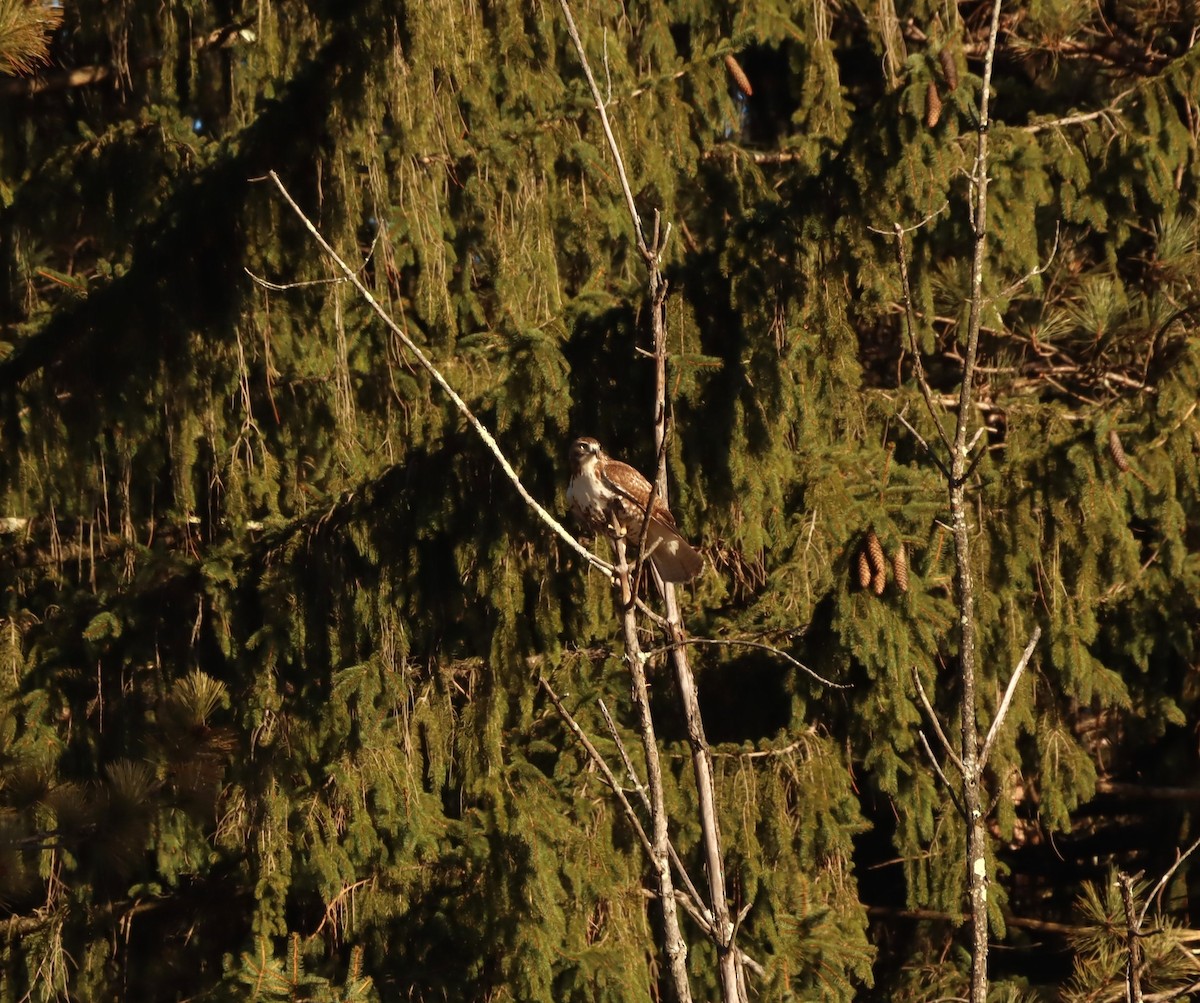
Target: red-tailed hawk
603,490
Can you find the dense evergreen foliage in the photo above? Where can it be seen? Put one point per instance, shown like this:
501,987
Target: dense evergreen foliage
272,620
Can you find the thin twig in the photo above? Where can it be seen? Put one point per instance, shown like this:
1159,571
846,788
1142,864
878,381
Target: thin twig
896,227
698,909
937,768
937,724
283,287
608,133
1032,273
605,772
1006,700
918,365
937,460
750,644
441,381
1162,882
1081,117
630,771
978,456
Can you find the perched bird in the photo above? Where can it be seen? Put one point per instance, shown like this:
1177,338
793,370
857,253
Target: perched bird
604,491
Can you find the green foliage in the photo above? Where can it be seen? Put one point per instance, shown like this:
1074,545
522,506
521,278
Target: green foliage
272,618
1101,945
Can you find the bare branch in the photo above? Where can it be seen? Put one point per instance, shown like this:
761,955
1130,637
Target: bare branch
441,381
697,907
1133,947
674,946
1032,273
1162,882
897,228
972,774
1088,116
1006,700
723,930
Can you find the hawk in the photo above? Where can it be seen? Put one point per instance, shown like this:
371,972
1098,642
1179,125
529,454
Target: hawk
604,490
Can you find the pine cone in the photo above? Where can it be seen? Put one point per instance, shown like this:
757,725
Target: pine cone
864,570
1117,451
738,74
900,568
875,554
933,105
949,68
879,583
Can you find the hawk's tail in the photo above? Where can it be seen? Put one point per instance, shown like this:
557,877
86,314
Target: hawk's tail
673,557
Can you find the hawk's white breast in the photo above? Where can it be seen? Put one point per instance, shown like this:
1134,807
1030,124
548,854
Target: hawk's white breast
588,494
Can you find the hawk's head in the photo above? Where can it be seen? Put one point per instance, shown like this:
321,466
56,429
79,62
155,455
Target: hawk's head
582,449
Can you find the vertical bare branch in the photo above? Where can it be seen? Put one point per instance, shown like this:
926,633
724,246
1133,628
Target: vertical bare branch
973,795
1133,941
673,943
724,930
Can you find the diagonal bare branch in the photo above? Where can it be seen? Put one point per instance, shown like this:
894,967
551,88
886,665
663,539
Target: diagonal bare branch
693,900
937,768
608,133
441,381
1006,700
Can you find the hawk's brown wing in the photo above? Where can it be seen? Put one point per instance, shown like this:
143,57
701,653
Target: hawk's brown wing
627,482
675,559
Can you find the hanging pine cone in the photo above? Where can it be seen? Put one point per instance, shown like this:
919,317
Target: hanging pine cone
949,68
875,554
864,570
1117,451
900,568
738,74
879,583
933,105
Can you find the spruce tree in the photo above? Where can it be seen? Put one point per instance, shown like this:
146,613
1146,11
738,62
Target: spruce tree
273,618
